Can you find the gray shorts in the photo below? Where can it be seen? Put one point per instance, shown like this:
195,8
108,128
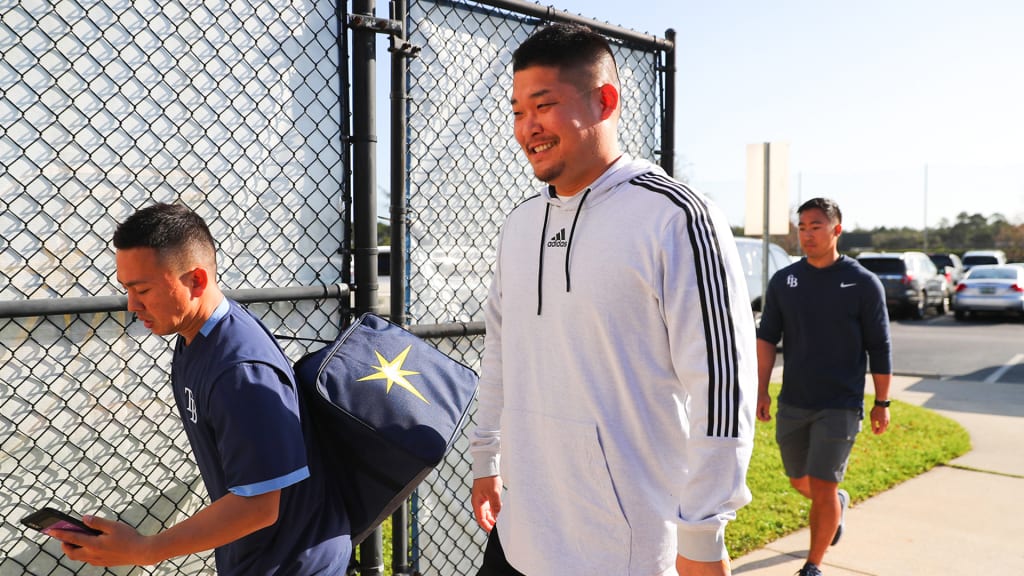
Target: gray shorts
816,442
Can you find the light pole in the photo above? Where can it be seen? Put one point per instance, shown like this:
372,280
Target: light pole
926,207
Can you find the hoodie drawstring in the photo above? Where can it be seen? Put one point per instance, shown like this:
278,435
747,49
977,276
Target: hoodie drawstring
540,261
572,231
568,250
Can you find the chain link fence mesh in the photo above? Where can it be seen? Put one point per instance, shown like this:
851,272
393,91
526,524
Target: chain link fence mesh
237,110
230,108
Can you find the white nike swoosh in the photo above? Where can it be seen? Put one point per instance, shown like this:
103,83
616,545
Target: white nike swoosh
845,285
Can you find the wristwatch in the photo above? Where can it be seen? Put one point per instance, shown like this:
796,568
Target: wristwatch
882,403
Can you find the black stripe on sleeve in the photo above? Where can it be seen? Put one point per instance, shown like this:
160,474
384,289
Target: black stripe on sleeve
712,282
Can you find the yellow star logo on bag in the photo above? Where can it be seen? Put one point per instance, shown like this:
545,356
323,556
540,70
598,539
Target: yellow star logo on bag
393,372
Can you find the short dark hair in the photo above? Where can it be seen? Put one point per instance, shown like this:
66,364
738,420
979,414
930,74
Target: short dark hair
173,230
566,47
826,205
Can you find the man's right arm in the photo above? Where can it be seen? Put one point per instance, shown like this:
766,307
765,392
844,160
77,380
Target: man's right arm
768,333
766,352
222,522
485,439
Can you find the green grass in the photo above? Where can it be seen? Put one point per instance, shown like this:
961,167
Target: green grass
388,550
917,440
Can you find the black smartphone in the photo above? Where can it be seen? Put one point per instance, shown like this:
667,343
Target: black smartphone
46,519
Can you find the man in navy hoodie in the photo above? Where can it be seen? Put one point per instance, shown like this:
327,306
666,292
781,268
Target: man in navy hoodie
831,311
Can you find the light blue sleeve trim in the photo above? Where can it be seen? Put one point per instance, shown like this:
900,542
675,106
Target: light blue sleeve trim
271,485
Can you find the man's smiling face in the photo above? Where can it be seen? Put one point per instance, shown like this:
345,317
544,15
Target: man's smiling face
555,124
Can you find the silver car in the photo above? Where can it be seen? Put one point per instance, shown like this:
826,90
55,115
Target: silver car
990,288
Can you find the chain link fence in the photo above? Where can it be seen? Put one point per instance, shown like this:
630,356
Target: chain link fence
239,110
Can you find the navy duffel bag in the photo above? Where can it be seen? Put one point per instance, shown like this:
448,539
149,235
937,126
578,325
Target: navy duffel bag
386,408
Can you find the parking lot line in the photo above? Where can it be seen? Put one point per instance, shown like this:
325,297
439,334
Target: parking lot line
995,376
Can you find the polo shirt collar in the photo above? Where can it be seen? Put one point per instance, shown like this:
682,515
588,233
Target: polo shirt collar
218,314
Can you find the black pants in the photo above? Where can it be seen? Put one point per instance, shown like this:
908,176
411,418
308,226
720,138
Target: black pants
495,563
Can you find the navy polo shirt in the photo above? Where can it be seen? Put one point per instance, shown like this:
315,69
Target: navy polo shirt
236,394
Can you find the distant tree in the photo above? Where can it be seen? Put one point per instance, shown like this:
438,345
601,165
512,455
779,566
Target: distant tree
1011,240
969,231
898,239
854,241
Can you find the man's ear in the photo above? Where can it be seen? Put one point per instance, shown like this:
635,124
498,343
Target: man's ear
198,279
839,229
609,98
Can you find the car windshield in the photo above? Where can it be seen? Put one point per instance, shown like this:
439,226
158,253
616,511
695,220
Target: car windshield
976,260
993,274
884,265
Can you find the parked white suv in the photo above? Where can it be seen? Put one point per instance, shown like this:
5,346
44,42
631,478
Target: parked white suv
975,257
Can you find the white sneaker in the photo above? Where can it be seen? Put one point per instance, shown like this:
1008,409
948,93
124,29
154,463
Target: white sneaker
844,502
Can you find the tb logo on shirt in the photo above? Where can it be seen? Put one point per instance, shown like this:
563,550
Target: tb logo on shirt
791,281
190,406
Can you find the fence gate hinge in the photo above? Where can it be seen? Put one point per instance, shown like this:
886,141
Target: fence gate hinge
382,25
406,49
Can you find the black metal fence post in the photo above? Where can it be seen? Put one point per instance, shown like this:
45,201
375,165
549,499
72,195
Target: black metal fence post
364,154
668,115
401,50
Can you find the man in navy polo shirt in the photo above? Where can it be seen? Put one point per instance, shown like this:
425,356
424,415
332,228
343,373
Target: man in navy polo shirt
271,513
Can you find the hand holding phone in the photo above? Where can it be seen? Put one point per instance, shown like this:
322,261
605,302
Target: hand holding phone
46,519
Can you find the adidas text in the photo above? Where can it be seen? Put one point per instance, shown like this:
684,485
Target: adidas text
558,240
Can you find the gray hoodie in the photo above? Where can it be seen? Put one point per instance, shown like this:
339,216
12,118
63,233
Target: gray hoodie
618,382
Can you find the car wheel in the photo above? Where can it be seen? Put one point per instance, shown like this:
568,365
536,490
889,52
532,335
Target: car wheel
917,312
960,314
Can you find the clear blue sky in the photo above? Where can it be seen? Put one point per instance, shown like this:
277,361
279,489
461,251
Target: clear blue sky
867,94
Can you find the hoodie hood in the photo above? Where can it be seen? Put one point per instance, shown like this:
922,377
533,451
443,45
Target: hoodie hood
622,170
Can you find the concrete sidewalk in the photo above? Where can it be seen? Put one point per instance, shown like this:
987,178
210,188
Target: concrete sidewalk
965,518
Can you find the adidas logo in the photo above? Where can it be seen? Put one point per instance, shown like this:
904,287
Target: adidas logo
558,240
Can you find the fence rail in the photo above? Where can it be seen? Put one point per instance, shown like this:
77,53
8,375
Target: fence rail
95,304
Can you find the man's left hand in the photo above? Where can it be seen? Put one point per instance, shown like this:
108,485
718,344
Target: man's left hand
687,567
118,545
879,419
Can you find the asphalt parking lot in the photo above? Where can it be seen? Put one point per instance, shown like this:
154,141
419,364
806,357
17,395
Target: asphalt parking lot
986,349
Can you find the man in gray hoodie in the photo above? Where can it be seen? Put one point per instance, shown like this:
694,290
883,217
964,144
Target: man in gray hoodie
617,390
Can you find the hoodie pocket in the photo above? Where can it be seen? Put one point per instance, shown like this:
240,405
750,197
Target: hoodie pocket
561,496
